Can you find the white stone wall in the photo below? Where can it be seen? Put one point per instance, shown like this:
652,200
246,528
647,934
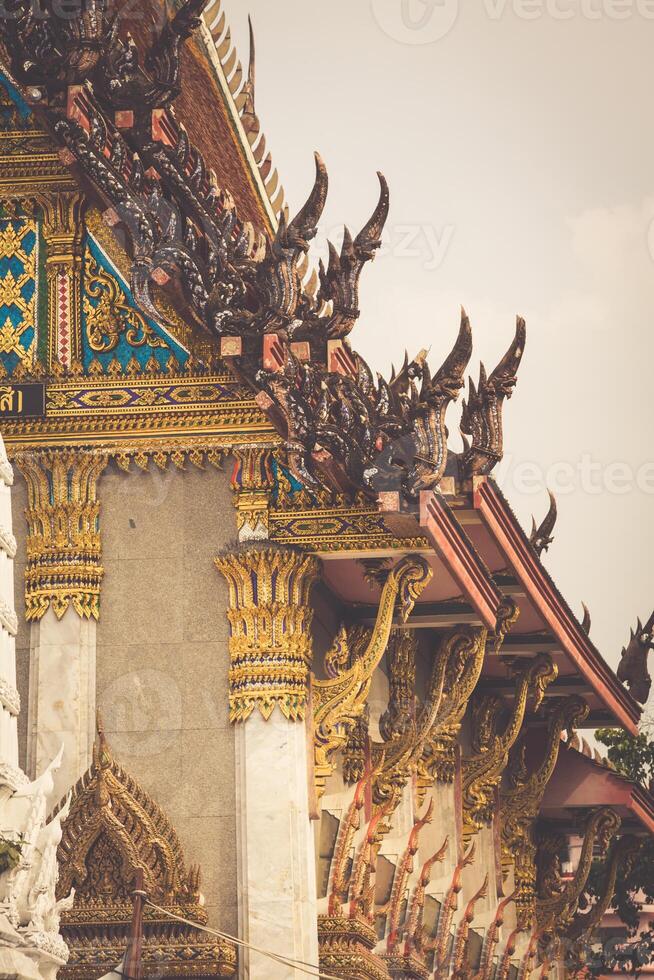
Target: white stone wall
9,699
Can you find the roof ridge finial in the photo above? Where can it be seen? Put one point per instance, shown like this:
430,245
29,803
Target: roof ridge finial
102,757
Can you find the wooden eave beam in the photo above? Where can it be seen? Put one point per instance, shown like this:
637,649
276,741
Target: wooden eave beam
426,615
528,645
441,526
563,686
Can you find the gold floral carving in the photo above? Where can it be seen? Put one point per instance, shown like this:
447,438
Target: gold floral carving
113,829
405,966
558,899
355,750
400,715
121,261
331,527
252,510
188,410
339,701
270,622
63,534
111,317
482,771
14,285
166,456
521,801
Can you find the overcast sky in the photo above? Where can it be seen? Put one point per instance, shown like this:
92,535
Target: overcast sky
517,140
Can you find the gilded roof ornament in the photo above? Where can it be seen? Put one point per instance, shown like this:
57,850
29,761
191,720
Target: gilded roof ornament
521,800
339,701
557,896
482,771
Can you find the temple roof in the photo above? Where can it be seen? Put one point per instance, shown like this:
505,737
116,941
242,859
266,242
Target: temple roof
216,105
581,780
487,572
159,127
543,610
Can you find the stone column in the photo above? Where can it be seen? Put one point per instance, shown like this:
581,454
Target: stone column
270,653
30,945
9,697
63,233
62,602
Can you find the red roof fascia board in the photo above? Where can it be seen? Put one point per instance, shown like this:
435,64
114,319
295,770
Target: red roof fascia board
643,807
510,537
602,786
456,549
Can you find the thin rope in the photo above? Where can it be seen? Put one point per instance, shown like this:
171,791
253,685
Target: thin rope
309,968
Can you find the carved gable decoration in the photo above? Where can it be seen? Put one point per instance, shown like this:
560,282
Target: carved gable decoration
115,332
112,829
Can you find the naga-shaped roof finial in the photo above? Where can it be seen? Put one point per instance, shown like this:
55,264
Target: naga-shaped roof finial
481,418
541,537
632,669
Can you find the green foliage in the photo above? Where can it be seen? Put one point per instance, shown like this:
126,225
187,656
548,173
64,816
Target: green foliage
10,852
634,758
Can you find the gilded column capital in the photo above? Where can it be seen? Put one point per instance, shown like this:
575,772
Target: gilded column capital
63,532
252,481
63,231
62,221
270,621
